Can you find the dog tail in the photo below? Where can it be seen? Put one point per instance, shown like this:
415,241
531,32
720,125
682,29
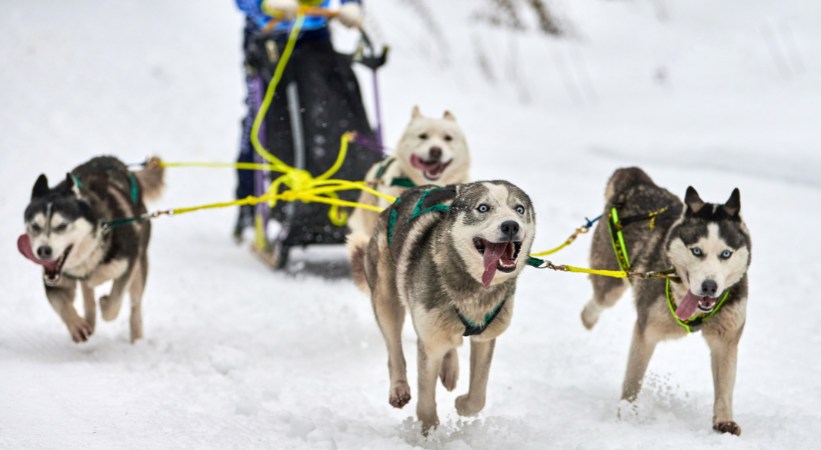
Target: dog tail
151,179
357,245
624,178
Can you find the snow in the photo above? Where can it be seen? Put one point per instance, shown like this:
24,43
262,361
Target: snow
713,94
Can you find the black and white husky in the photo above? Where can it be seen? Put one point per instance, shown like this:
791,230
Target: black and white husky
708,245
450,256
74,231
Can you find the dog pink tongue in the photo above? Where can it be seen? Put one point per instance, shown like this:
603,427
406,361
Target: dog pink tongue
493,252
687,306
24,245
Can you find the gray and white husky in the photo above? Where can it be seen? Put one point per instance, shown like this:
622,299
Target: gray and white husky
708,245
450,256
73,231
431,151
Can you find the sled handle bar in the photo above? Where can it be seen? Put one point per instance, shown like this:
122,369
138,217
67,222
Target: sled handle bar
304,10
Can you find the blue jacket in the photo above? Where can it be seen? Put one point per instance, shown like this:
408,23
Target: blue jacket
253,10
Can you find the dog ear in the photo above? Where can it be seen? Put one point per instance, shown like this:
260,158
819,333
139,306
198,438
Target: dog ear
70,186
449,116
693,201
415,113
733,204
40,187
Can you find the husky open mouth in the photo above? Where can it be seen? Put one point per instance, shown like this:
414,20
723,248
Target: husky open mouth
497,256
433,169
53,268
691,302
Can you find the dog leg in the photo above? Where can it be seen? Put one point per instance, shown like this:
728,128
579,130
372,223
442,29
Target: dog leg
641,350
481,354
110,304
429,362
135,292
62,300
723,356
606,292
89,304
449,373
363,221
390,315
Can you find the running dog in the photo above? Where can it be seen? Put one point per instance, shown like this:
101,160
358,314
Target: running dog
449,255
80,233
431,151
708,245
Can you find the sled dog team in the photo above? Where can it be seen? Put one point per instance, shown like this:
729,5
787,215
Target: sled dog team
447,252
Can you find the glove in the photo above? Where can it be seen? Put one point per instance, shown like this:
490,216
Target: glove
350,15
283,9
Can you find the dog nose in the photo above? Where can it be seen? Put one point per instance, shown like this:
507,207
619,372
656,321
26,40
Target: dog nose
435,153
510,228
709,288
44,252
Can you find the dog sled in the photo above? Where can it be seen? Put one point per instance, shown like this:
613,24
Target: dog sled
317,100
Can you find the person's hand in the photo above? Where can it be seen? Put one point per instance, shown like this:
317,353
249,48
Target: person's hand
350,15
281,9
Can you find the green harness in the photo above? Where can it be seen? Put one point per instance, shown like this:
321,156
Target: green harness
418,210
617,237
400,182
471,328
135,187
107,225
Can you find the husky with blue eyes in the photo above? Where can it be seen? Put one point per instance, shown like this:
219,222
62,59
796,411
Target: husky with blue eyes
449,256
707,244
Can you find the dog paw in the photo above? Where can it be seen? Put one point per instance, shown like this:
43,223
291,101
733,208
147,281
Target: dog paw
728,427
429,424
80,330
109,308
590,315
400,394
465,406
449,372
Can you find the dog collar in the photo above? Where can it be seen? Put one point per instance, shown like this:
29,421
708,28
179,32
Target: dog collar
690,324
472,328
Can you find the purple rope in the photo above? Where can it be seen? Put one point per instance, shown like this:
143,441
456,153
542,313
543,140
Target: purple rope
259,175
369,144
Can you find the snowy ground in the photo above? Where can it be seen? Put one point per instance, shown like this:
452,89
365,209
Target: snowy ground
697,92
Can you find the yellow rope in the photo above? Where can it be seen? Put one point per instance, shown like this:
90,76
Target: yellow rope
570,240
269,96
298,180
605,273
300,184
220,165
307,196
669,274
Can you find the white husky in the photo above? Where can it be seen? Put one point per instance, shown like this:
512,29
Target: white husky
431,151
